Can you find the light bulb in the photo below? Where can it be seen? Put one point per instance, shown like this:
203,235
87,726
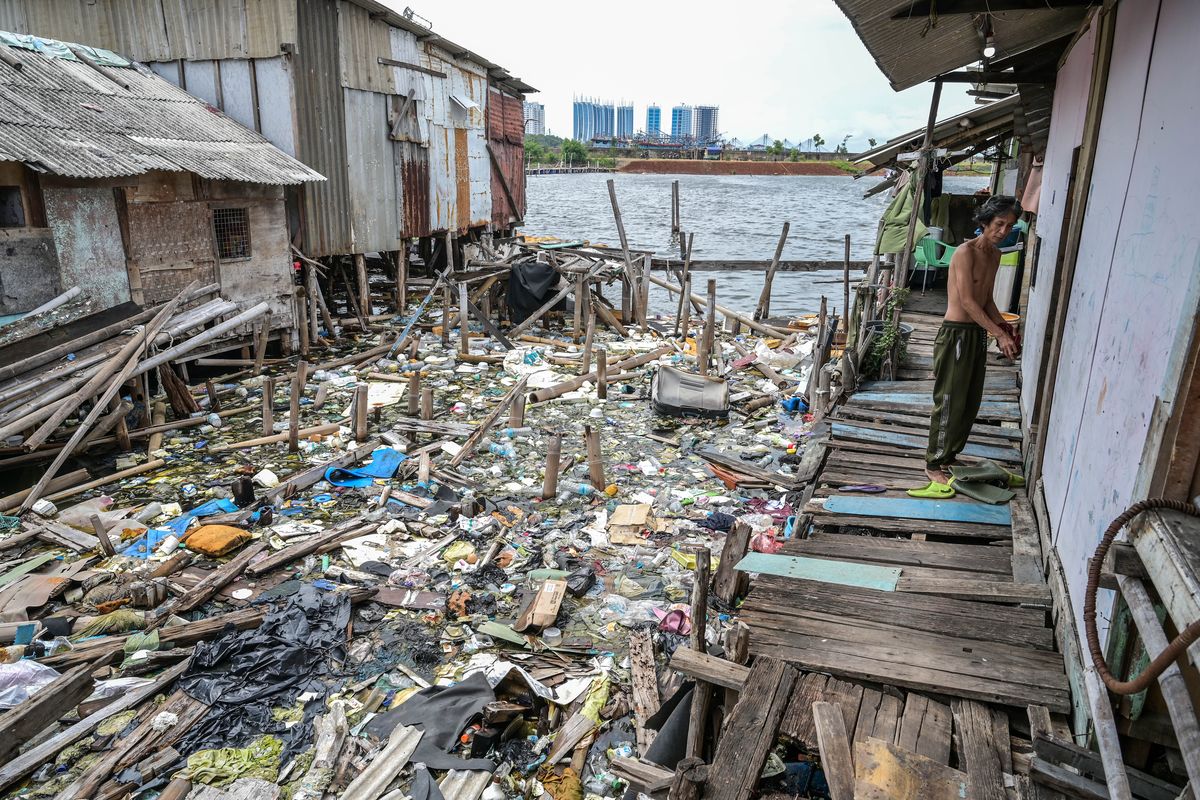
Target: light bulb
989,48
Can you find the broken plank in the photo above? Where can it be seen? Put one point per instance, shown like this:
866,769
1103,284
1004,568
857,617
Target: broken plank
883,771
749,732
918,509
650,777
1027,548
646,699
709,669
925,728
979,749
27,720
834,746
798,721
878,716
842,573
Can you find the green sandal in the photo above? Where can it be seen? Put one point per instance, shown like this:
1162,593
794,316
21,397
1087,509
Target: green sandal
933,491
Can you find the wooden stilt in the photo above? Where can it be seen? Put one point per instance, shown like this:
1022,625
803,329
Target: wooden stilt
261,338
702,694
301,305
846,290
588,340
763,309
595,460
602,374
427,403
708,338
401,258
214,401
360,413
364,284
294,408
268,406
121,430
464,329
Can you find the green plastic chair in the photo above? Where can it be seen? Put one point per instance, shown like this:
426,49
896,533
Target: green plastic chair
927,259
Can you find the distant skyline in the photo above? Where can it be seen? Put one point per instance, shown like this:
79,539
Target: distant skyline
791,69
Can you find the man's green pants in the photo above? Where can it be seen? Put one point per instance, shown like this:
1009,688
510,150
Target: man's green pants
959,366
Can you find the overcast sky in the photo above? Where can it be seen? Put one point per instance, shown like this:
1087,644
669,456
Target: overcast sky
787,68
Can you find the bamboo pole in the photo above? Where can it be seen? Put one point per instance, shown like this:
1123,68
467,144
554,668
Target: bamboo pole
261,338
149,332
629,279
763,309
427,403
285,436
149,466
553,457
585,365
158,416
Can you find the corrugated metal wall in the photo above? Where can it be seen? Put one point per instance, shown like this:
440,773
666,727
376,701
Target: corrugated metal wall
374,210
322,130
460,184
506,133
411,154
161,30
363,42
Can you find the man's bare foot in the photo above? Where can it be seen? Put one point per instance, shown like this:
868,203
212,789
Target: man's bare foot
937,476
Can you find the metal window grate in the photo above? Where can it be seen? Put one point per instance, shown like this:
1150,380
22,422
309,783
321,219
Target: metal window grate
232,226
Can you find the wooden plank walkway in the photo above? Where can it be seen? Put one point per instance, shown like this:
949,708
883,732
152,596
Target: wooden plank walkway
965,636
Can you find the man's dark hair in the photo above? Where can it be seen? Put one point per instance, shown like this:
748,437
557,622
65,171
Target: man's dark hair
995,206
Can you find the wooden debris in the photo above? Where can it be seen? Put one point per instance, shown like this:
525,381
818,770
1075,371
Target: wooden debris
834,744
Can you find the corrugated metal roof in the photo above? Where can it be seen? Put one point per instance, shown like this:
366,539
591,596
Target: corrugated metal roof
911,50
68,118
982,118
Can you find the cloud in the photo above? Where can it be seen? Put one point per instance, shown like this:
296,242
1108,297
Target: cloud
788,68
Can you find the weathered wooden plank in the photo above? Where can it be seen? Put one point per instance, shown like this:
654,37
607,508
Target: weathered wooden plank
990,591
878,716
1027,549
918,509
867,576
809,653
906,552
913,441
854,413
925,728
750,730
729,582
963,530
834,747
883,771
30,718
978,749
994,407
709,669
646,699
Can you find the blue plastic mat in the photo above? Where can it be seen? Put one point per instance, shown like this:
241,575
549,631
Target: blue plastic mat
149,541
384,463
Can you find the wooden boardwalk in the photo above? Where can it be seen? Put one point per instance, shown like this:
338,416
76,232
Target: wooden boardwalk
938,664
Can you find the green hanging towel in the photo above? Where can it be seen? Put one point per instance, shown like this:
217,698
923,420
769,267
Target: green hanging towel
895,222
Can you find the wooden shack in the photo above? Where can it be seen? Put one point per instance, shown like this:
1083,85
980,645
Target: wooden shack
116,181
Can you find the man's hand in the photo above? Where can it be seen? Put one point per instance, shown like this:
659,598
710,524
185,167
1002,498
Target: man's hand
1008,345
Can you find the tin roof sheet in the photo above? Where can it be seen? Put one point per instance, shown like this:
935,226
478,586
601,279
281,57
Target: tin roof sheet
70,118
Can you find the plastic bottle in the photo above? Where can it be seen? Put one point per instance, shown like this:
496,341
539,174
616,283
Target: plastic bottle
517,433
582,489
505,450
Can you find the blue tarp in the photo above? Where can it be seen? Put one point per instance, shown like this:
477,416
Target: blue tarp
384,463
148,542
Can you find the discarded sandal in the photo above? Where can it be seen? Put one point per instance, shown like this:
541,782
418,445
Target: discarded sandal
868,488
933,491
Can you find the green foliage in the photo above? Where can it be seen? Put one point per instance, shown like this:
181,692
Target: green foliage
605,161
818,142
793,154
871,142
574,153
545,140
776,148
889,341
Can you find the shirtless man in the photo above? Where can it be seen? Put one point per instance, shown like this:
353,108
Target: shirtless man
960,351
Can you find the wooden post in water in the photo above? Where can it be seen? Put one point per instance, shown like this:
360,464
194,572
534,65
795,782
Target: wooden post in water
464,329
683,316
644,291
553,456
602,374
710,327
427,403
268,406
360,413
674,209
586,366
763,309
595,460
846,291
580,292
364,284
401,278
294,407
301,305
446,316
628,285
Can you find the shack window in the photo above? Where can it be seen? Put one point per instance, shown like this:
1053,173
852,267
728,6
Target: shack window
12,212
233,233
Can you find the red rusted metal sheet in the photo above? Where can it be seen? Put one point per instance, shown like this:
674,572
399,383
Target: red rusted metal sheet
506,134
412,162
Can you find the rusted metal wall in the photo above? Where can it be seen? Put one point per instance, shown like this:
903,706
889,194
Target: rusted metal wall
506,134
87,236
411,148
460,188
322,130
